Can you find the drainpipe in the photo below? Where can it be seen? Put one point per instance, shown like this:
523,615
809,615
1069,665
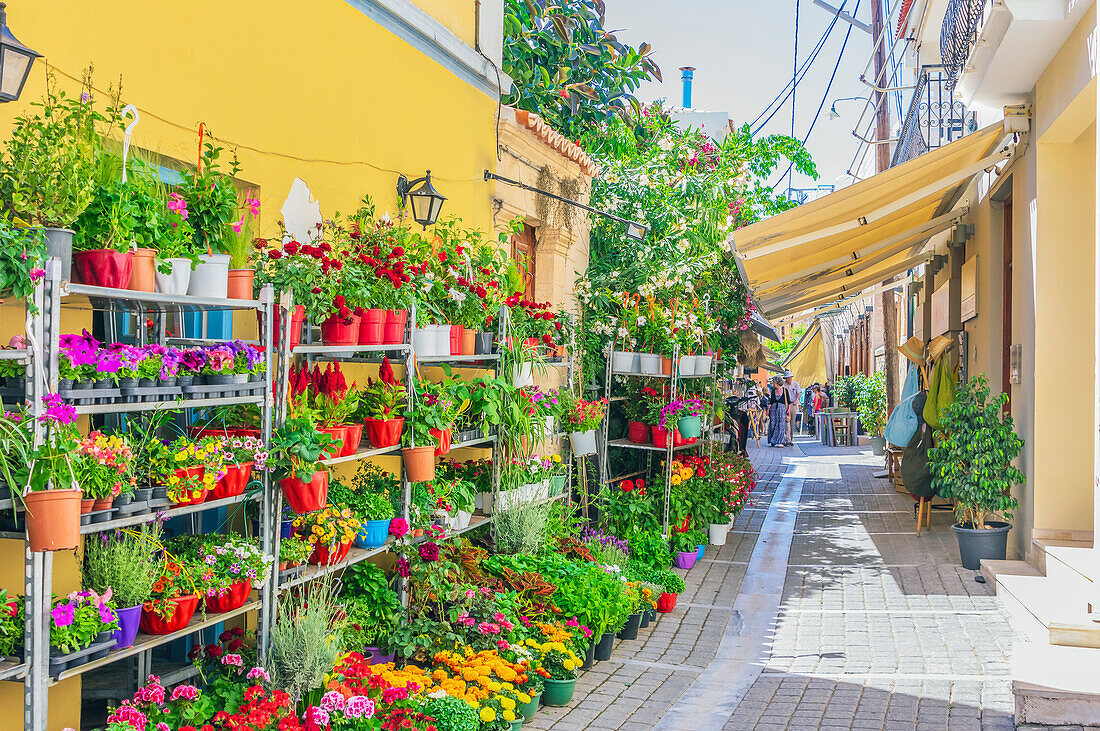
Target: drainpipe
687,73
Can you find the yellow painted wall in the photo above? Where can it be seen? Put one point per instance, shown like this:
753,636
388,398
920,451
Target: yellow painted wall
320,92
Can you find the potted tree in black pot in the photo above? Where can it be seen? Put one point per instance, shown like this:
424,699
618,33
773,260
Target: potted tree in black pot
973,465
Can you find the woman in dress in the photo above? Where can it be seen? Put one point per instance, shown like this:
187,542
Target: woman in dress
779,400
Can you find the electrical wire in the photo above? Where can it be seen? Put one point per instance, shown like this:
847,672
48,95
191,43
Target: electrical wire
785,92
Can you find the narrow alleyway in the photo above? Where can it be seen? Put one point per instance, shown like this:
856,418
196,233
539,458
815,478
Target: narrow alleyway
824,610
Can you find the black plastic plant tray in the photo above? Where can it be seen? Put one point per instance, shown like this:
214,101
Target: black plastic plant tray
229,389
151,393
88,396
62,663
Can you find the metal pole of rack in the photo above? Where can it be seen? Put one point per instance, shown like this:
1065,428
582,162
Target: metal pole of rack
270,505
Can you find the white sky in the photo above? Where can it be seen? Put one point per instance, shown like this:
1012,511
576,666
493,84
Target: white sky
743,54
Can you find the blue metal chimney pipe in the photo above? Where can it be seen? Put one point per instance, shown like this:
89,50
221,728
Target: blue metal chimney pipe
687,74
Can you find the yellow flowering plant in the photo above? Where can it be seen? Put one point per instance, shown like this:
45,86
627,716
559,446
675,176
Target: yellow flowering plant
329,526
186,467
478,676
555,660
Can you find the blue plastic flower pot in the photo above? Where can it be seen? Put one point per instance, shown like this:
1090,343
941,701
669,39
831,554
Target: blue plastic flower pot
699,552
373,534
286,528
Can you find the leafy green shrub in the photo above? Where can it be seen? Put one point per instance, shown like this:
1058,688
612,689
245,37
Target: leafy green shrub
452,714
973,462
871,403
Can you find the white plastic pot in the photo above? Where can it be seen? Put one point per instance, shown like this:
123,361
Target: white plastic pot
583,442
718,533
211,277
624,361
702,365
687,365
177,280
460,520
423,341
546,429
442,340
523,375
650,363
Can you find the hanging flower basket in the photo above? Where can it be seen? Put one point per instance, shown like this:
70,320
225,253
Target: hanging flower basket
153,624
53,519
384,432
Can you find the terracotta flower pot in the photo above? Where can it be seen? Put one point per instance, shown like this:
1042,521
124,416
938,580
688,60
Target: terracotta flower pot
335,331
666,366
371,327
469,338
296,320
443,441
143,272
104,267
233,482
151,624
384,433
102,504
393,330
53,519
340,434
305,497
87,505
419,463
239,285
353,434
233,598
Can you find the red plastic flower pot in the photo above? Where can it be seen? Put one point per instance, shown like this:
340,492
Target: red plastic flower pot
384,433
371,327
660,437
456,339
353,434
666,602
637,432
393,330
305,497
185,606
338,433
677,440
233,482
335,331
442,440
233,598
327,556
296,321
104,267
194,498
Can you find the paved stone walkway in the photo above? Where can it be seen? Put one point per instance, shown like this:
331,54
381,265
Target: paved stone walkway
823,610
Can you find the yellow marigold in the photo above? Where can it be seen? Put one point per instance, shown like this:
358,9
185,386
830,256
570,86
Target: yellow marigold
471,702
487,715
568,664
509,716
676,479
523,697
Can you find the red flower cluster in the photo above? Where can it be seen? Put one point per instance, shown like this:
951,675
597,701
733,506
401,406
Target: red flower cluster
330,382
390,265
343,312
261,710
631,485
319,252
403,718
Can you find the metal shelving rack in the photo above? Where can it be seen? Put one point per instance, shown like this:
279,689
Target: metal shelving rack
670,449
41,357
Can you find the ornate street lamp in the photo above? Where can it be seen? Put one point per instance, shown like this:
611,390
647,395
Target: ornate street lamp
15,61
426,202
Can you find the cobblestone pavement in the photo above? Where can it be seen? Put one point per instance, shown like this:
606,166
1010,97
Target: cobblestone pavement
824,610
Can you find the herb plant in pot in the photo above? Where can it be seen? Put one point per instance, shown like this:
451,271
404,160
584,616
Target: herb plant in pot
123,566
296,447
685,548
973,465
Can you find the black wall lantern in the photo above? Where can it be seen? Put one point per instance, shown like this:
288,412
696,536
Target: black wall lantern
15,61
426,202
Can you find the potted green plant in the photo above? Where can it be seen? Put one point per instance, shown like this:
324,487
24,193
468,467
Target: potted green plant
685,546
127,565
22,256
52,496
47,174
176,255
80,624
972,464
381,407
559,668
212,206
870,401
296,448
239,245
580,418
373,509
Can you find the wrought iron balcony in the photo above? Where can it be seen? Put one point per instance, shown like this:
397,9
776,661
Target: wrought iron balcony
959,31
934,117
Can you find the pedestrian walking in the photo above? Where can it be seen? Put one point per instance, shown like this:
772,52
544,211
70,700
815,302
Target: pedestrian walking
779,400
794,391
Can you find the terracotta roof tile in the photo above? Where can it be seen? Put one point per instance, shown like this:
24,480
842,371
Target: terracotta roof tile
903,16
556,141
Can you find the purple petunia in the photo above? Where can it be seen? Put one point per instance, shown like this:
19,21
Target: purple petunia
63,614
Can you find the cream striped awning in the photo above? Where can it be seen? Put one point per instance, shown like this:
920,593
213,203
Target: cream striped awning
844,243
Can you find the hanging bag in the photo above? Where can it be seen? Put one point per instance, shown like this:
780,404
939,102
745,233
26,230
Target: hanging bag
915,473
903,420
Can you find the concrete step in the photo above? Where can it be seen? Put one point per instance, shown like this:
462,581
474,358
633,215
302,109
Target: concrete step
1044,609
1037,552
993,568
1056,686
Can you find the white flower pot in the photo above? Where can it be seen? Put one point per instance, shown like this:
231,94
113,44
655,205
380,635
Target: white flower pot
702,364
583,442
484,502
176,281
423,341
545,429
650,363
461,520
211,276
718,533
624,361
442,340
687,365
523,375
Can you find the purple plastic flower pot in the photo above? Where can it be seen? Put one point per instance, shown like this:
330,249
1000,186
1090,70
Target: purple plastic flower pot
128,621
376,656
686,559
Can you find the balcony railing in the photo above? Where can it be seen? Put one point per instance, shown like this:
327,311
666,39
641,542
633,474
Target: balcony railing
958,33
934,117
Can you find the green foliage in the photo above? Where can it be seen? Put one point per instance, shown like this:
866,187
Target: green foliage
296,447
211,200
306,638
453,714
688,541
871,403
788,343
846,390
567,68
364,504
649,548
521,528
372,607
973,461
126,563
21,250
